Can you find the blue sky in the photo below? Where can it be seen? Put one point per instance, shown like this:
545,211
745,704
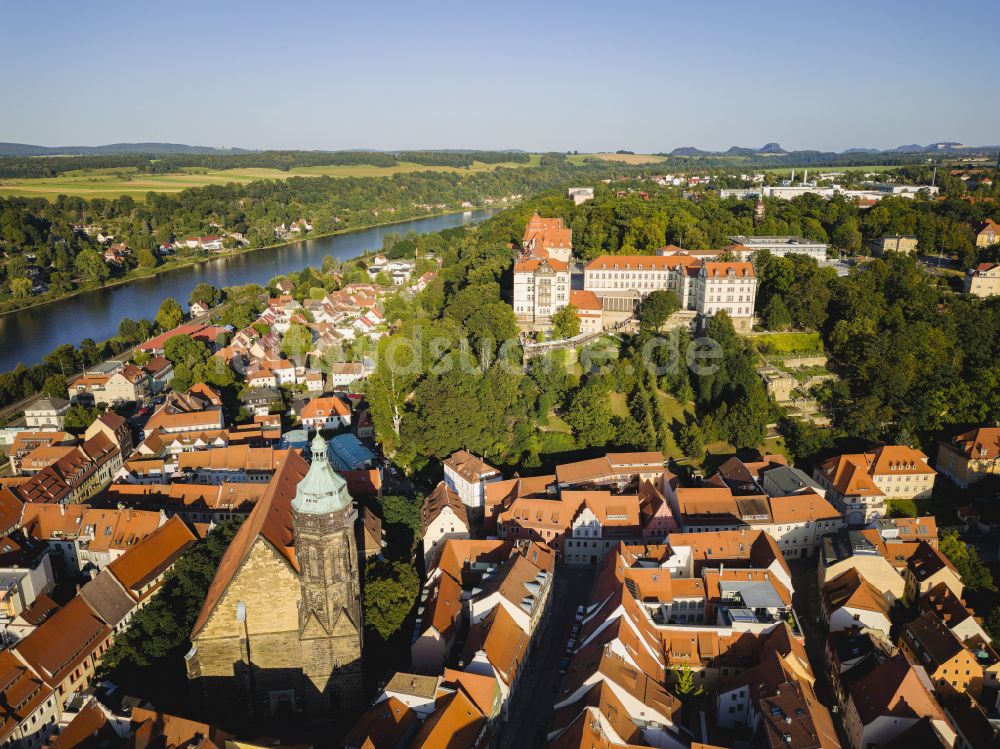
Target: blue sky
647,76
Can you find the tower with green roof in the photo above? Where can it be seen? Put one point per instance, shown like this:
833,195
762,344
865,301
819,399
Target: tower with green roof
330,618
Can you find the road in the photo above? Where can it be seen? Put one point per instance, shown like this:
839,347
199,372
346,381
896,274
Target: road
805,601
531,709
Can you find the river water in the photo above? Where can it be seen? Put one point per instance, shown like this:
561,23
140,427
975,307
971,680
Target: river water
26,336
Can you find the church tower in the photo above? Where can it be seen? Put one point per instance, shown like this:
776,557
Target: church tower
758,209
330,618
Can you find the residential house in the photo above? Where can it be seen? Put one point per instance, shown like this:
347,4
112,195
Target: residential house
614,471
325,413
987,233
66,649
198,309
851,602
904,245
891,698
172,421
344,374
234,463
468,476
371,537
260,400
860,484
633,705
983,280
115,428
953,612
29,707
46,414
27,442
970,456
141,569
25,573
160,372
950,664
879,563
927,567
443,516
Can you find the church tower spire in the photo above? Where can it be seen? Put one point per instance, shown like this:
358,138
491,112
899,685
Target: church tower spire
330,624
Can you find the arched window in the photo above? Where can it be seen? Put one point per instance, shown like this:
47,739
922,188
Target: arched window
313,562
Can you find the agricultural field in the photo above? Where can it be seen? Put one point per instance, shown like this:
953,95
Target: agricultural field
625,158
111,183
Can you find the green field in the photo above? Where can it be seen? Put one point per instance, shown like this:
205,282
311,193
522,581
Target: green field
110,183
787,343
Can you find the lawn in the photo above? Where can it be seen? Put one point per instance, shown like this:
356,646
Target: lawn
556,424
787,343
111,183
618,405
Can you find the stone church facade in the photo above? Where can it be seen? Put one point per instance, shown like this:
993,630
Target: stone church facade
281,628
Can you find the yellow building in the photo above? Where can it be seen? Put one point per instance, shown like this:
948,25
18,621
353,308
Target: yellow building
971,456
983,280
900,243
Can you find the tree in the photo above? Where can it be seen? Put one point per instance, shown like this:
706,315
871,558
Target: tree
206,294
55,386
78,418
92,267
775,314
589,415
391,590
656,308
20,288
158,633
297,341
566,322
691,440
147,259
993,625
684,684
973,571
846,235
170,314
183,349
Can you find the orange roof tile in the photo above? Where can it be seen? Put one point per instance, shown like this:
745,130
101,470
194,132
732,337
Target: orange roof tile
153,555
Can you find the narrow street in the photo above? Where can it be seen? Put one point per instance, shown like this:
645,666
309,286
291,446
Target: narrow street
805,601
531,710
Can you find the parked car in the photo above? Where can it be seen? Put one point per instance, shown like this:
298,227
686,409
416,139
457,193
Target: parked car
570,646
563,665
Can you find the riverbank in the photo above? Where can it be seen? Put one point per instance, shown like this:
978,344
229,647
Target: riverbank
138,274
29,335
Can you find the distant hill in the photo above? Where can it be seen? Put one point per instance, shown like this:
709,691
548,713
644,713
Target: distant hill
689,151
775,149
25,149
